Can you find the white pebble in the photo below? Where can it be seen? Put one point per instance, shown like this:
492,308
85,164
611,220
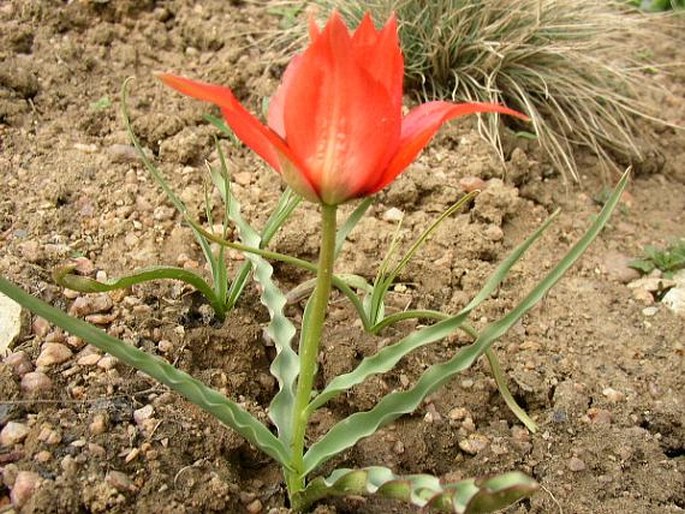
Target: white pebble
53,353
393,214
24,487
35,381
142,414
13,433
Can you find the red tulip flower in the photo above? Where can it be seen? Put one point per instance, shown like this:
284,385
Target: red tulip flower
335,127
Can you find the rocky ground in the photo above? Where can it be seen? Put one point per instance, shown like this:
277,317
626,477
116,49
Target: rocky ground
598,363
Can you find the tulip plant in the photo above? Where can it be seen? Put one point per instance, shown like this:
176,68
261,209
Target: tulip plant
336,132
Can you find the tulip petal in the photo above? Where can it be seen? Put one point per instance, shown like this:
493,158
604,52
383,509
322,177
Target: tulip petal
264,141
275,118
379,52
421,124
339,120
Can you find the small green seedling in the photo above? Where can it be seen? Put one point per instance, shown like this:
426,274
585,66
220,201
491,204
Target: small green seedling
667,260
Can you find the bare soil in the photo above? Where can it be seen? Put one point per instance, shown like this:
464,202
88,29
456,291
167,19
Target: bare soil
601,375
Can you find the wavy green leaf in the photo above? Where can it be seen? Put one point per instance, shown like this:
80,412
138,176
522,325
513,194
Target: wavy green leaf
472,496
388,357
286,365
216,404
347,432
64,276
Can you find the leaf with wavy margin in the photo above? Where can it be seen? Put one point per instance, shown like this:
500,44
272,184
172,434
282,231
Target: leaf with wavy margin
347,432
286,365
225,410
388,357
65,277
472,496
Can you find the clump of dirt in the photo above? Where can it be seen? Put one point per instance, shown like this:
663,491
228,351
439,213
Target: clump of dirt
598,366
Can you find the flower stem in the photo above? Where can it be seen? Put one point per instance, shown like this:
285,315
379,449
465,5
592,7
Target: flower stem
310,339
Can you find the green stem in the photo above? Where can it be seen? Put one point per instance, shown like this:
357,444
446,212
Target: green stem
310,339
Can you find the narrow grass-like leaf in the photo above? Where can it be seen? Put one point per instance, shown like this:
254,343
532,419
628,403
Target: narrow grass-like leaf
338,283
347,432
214,264
64,276
469,496
224,409
351,222
286,365
385,278
388,357
221,125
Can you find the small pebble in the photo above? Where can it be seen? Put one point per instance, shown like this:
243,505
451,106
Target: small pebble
13,433
96,450
98,425
142,414
107,362
120,481
91,304
132,455
89,360
393,214
652,284
49,436
165,346
255,507
24,487
458,413
650,311
163,213
474,444
40,327
468,424
122,153
53,353
613,395
35,381
398,447
42,456
74,342
55,336
575,464
470,184
69,465
247,497
31,251
83,265
101,319
19,362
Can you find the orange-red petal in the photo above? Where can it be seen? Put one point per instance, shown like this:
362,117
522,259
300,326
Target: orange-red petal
339,121
379,53
421,124
264,141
